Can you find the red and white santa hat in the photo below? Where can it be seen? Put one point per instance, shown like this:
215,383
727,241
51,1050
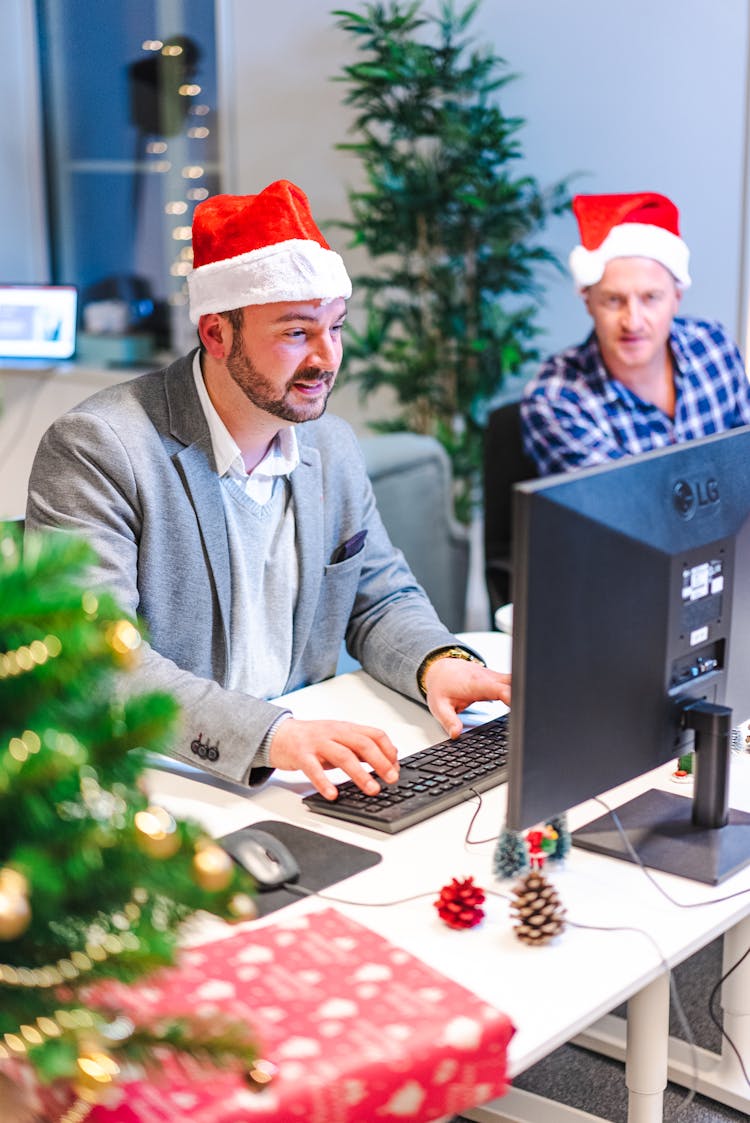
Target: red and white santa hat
261,249
635,225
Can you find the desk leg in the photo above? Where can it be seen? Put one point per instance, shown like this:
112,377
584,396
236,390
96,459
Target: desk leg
646,1051
735,1002
645,1072
717,1076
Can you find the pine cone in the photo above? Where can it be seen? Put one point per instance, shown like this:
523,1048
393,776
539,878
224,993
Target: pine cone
459,903
537,909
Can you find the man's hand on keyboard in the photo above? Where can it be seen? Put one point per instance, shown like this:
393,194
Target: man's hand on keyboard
454,684
313,746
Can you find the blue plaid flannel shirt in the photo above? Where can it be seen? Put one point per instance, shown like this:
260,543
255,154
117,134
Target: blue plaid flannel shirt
574,414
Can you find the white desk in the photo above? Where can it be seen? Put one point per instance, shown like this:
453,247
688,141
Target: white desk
552,993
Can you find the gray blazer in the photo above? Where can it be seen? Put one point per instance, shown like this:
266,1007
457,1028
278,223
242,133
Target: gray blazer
132,469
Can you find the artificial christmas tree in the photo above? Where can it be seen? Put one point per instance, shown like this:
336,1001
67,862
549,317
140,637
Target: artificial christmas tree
511,854
94,882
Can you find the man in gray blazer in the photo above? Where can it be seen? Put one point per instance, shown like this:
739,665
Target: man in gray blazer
239,523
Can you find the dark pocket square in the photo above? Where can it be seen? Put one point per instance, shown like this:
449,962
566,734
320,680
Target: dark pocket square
349,548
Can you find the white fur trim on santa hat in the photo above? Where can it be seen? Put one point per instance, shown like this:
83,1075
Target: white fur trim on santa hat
632,239
298,269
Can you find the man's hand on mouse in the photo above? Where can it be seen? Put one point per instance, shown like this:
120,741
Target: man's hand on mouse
453,684
313,746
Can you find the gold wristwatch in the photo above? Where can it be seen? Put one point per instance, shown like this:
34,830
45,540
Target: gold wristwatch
444,653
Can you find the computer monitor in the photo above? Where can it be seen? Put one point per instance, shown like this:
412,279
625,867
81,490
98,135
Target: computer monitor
631,646
38,322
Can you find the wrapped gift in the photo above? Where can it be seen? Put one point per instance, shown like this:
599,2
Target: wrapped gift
356,1029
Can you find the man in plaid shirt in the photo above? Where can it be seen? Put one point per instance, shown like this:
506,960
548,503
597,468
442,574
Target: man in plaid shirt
644,378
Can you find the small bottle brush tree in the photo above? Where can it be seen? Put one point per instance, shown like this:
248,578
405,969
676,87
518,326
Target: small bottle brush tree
449,305
94,883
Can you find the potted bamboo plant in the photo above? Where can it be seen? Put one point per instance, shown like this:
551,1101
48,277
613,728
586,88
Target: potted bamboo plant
450,226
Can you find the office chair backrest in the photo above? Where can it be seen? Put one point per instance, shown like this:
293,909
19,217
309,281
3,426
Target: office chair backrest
505,463
413,484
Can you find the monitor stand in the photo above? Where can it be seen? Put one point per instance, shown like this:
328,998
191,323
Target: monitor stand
702,838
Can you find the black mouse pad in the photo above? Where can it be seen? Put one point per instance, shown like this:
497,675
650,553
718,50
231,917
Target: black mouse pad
322,861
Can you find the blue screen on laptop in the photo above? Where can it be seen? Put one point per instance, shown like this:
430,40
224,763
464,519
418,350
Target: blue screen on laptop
38,321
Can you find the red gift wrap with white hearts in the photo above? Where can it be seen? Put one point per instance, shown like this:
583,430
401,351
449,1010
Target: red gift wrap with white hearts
357,1029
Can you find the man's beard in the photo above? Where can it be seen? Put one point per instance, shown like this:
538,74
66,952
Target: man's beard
259,390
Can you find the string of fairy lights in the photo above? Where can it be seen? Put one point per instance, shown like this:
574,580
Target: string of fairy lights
188,190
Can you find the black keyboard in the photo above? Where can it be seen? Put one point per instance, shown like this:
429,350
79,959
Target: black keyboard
431,781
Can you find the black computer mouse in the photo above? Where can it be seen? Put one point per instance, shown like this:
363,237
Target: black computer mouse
265,858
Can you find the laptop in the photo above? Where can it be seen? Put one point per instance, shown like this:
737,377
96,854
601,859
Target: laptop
37,324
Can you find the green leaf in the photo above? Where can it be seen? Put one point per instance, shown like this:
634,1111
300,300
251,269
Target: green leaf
453,235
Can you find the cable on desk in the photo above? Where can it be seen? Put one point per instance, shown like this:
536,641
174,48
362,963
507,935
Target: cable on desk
477,841
673,991
679,1009
649,875
303,891
687,905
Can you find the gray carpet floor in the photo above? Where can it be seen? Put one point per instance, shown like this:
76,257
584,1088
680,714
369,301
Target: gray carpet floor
584,1080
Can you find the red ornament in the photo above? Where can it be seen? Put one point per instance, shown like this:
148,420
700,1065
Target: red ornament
459,904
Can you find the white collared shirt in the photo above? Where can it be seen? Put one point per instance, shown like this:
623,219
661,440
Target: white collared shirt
280,460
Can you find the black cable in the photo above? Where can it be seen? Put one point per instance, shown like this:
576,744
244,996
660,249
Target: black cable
673,991
676,1000
303,891
660,888
687,905
717,1022
477,841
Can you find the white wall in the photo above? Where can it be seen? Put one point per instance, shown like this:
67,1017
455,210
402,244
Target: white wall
23,241
635,96
285,117
644,95
277,65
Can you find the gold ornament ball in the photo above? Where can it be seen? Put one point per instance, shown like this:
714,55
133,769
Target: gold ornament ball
12,881
15,913
213,869
243,907
156,833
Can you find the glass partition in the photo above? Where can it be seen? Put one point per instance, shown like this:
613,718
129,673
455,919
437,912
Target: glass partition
131,144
